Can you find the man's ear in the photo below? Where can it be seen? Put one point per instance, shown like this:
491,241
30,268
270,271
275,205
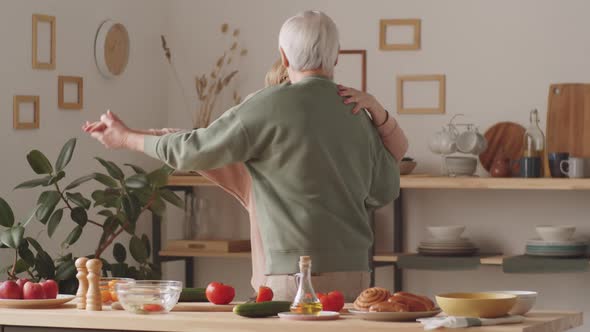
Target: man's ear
284,59
337,57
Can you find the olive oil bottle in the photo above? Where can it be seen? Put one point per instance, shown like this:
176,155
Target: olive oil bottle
306,301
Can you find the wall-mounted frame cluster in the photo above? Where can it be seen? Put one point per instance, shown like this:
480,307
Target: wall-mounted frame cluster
37,64
415,24
17,123
438,109
77,104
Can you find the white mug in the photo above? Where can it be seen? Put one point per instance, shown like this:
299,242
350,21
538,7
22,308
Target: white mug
575,167
471,141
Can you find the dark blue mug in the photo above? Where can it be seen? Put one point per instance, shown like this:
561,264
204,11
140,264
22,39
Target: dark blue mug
529,167
555,159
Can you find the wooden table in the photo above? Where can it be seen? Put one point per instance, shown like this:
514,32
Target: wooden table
69,317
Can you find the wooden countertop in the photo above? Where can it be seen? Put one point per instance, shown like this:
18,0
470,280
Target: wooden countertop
69,317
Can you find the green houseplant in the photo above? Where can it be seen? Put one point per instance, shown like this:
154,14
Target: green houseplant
117,208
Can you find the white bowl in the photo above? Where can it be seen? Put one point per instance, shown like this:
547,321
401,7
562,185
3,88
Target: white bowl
447,233
555,233
457,166
525,301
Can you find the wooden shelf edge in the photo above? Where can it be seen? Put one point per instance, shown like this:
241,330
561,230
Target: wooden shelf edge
423,181
173,253
392,258
189,181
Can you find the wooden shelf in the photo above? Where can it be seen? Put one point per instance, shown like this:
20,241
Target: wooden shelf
423,181
392,258
189,181
173,253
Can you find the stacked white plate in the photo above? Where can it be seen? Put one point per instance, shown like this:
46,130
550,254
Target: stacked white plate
436,247
568,248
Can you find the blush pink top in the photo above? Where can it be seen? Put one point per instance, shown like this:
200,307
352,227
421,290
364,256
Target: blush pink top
236,180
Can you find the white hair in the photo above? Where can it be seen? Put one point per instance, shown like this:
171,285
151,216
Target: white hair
310,41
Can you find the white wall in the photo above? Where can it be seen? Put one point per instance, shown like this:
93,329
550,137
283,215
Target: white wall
499,58
139,95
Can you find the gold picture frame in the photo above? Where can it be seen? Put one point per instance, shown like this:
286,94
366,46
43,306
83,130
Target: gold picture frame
363,54
16,123
36,63
415,23
440,109
61,102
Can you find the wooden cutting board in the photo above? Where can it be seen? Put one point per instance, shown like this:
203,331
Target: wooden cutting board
568,119
504,139
193,306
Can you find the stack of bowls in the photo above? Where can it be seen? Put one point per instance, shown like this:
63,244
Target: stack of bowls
460,166
556,241
447,241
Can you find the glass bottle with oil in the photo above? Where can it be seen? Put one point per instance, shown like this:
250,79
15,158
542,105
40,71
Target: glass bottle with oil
306,301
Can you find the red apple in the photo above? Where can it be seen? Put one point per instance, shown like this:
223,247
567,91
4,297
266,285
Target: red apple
10,290
33,291
21,283
50,288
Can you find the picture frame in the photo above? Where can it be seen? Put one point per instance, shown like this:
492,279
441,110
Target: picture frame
363,55
37,18
415,23
16,122
440,109
62,103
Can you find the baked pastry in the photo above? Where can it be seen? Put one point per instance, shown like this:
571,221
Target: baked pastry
371,296
414,302
388,307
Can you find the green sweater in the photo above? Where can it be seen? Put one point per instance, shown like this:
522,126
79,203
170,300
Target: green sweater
317,171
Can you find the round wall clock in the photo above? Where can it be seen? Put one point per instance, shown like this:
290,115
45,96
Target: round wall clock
111,48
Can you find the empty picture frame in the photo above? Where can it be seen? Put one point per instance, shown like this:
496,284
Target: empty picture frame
76,104
16,116
352,73
415,24
37,64
440,107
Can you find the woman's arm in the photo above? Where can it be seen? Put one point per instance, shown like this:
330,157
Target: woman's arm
391,133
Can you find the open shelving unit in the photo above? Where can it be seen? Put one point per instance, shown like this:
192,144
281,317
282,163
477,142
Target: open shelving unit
186,183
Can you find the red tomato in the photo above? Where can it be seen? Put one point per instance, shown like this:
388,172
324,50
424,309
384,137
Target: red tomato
333,301
265,294
218,293
152,307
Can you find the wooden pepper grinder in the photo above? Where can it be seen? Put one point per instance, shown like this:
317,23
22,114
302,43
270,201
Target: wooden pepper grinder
82,282
93,297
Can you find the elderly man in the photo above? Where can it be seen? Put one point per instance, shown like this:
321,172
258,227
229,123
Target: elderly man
317,169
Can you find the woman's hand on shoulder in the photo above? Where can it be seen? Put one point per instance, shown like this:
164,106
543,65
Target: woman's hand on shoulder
363,100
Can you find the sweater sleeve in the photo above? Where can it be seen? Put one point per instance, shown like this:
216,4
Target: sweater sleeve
385,180
393,138
224,142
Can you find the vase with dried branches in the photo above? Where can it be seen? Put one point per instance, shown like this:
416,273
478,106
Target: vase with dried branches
211,85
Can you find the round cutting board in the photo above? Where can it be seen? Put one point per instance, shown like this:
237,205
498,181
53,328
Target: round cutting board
504,139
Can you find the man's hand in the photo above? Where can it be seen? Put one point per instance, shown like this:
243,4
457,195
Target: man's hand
113,133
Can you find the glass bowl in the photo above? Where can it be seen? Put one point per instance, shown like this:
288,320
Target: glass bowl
148,296
107,288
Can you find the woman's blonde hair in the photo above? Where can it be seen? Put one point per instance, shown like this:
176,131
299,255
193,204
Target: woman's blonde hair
277,74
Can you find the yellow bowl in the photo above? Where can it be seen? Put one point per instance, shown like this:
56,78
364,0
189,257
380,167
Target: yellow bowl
481,305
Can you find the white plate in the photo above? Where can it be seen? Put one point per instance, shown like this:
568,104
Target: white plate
323,315
447,249
37,304
556,254
394,316
454,246
438,241
539,242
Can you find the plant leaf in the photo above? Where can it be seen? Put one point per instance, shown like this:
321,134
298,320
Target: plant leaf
119,270
79,216
138,249
106,213
39,163
79,200
146,243
54,179
159,177
105,179
44,265
137,181
13,236
158,207
73,236
79,181
26,254
111,168
47,202
35,183
119,252
6,214
65,155
171,198
66,270
35,244
137,169
54,221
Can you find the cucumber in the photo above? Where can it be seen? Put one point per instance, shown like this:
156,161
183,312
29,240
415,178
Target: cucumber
193,295
262,309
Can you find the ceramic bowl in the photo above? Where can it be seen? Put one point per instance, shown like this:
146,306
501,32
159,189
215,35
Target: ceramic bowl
525,301
457,166
480,305
148,296
555,233
447,233
406,167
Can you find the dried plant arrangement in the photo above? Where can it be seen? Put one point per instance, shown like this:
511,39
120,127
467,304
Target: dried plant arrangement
210,86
